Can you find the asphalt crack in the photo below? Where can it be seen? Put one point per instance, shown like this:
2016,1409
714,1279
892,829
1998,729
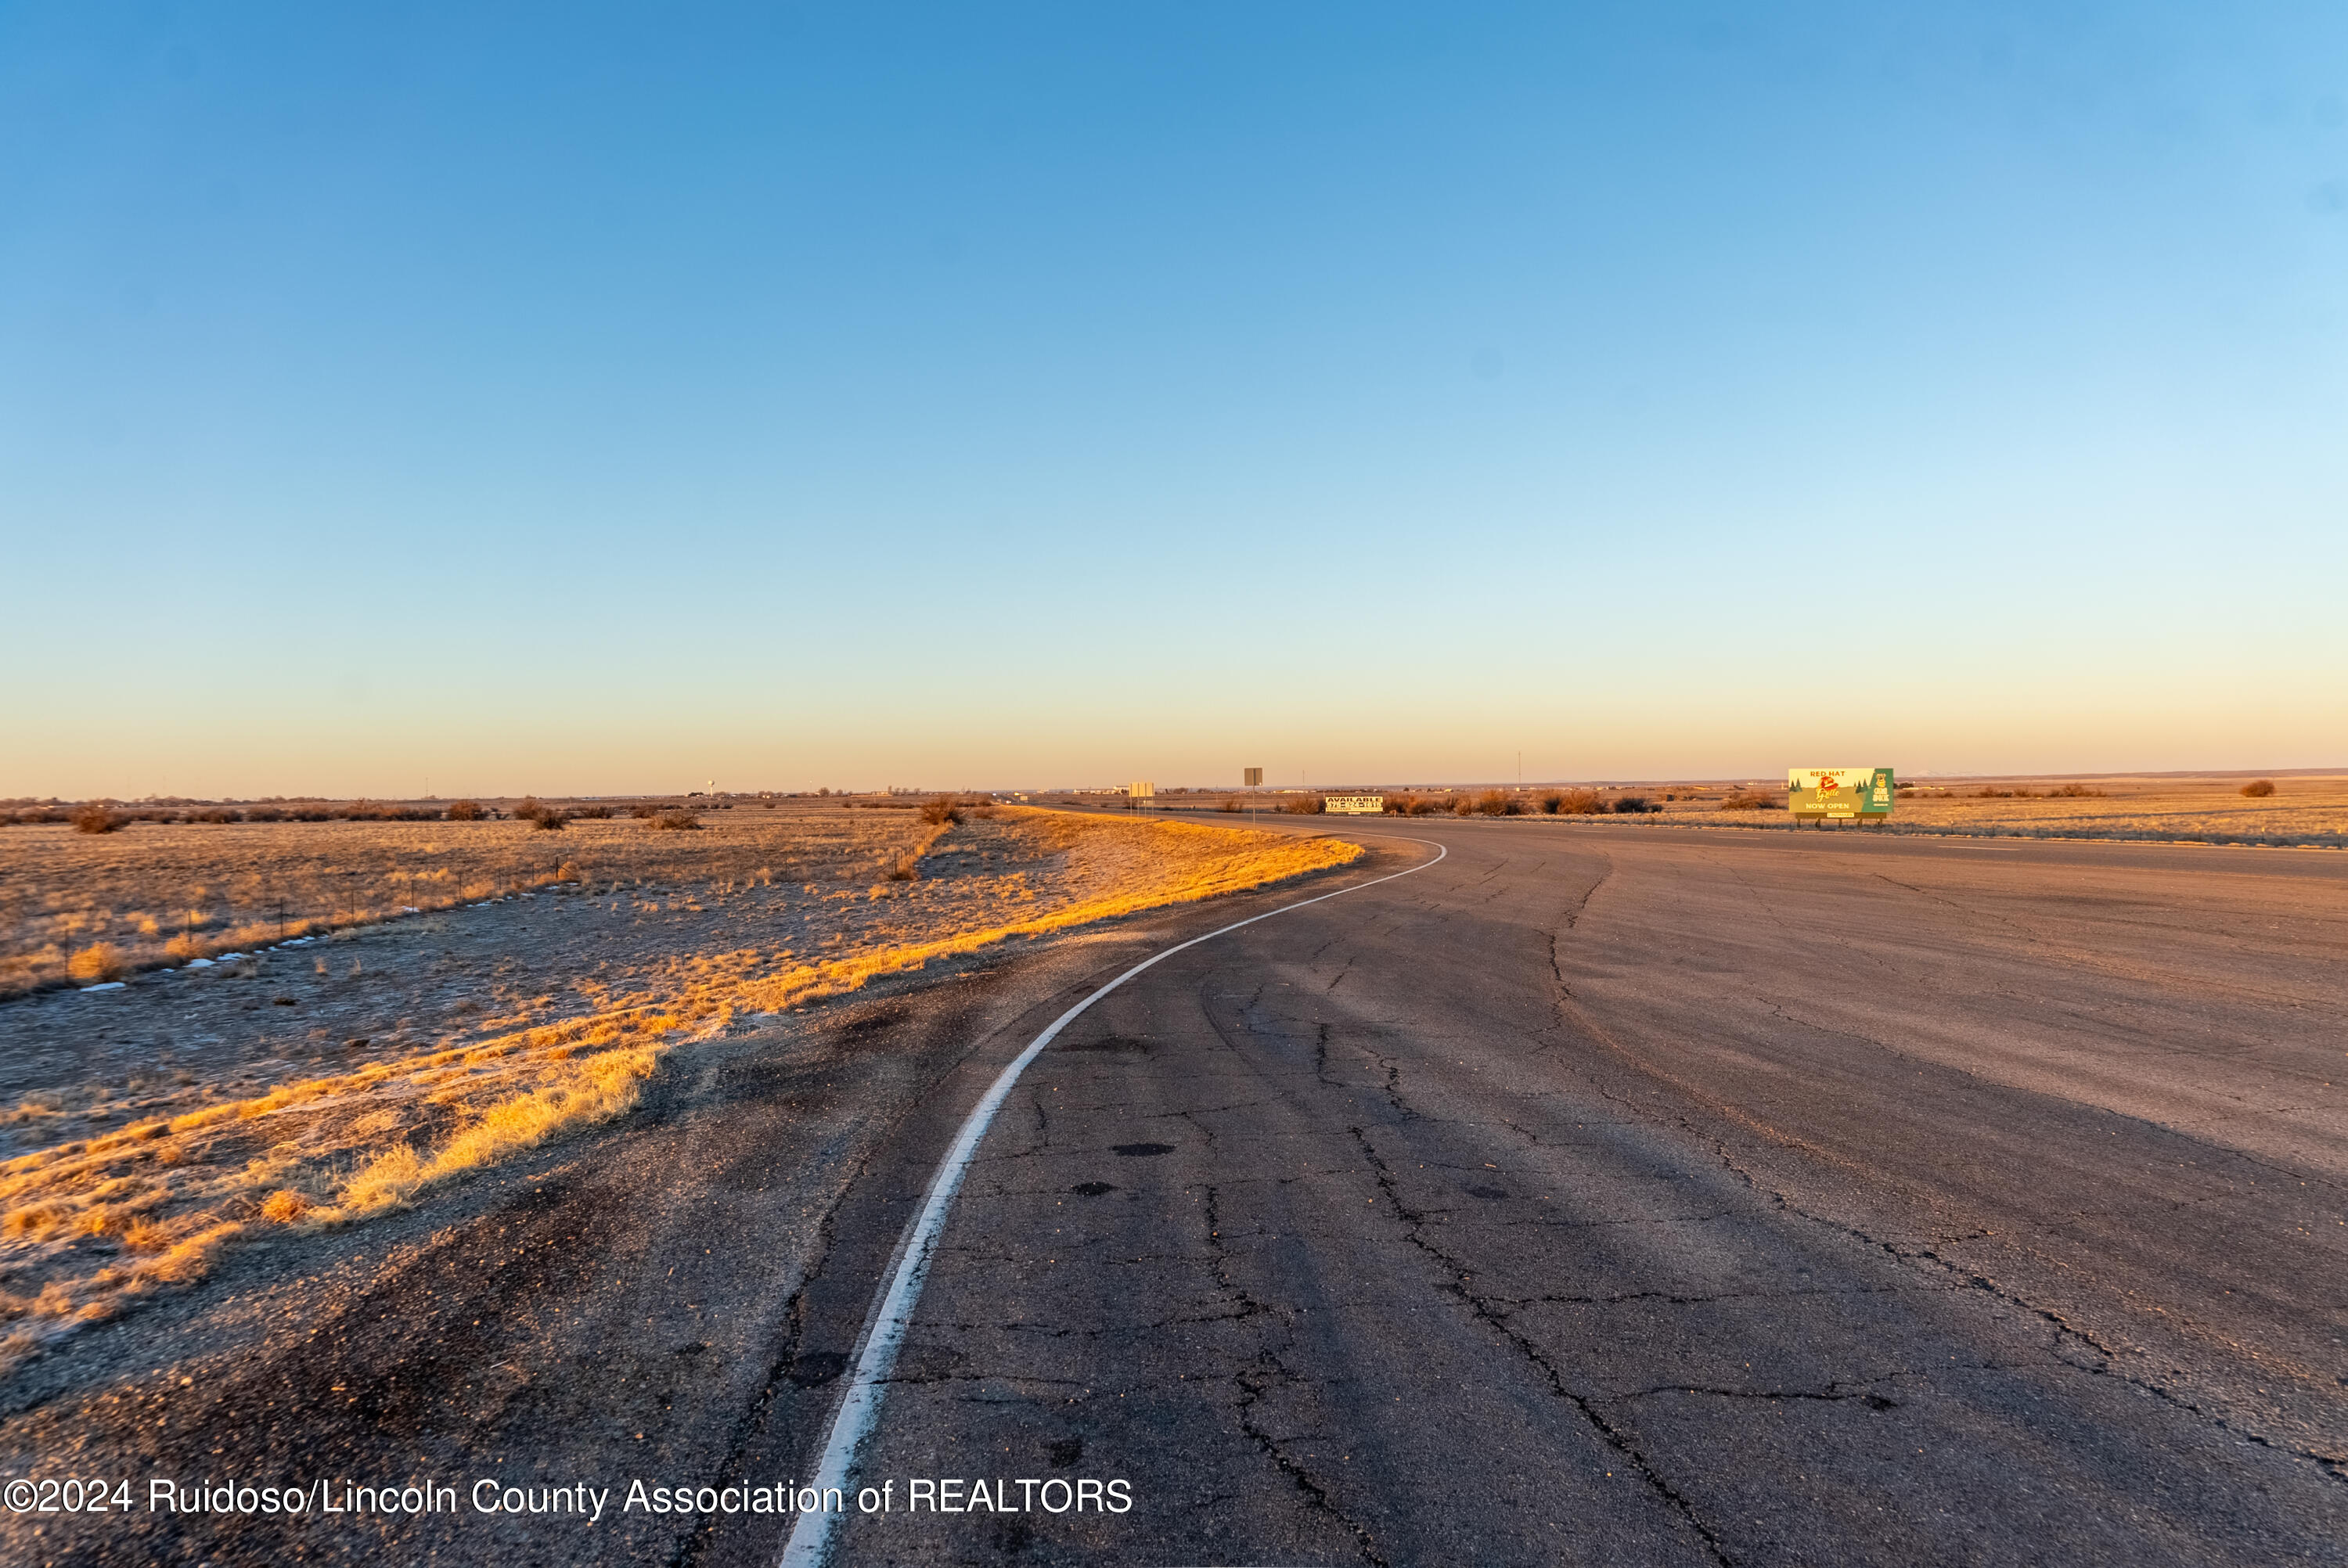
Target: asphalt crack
1456,1285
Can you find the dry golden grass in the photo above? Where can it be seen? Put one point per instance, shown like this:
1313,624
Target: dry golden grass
2307,810
98,962
102,1219
573,1094
2214,810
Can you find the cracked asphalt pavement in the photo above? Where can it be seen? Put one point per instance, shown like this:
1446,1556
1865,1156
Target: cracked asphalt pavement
1599,1194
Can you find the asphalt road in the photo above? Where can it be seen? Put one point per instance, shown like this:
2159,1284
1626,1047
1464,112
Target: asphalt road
1598,1195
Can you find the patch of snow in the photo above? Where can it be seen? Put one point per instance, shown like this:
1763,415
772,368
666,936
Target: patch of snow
199,963
108,986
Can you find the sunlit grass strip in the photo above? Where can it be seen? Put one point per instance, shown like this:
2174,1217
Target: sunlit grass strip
588,1089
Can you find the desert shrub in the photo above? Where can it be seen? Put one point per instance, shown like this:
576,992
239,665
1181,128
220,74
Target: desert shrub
550,821
676,821
99,962
904,870
1633,805
1303,805
216,814
1989,792
942,810
1231,803
1751,800
1498,803
1552,801
2067,792
597,813
285,1206
1580,803
2257,789
376,810
96,818
463,811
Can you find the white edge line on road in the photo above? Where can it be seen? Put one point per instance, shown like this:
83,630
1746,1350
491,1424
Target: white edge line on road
811,1536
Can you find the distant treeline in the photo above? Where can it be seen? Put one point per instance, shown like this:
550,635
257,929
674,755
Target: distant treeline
1463,803
108,817
296,811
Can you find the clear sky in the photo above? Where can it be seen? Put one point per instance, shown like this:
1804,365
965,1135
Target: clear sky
600,399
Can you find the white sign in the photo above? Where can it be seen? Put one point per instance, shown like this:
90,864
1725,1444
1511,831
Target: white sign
1141,789
1354,805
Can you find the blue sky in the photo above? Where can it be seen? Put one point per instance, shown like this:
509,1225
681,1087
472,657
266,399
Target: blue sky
612,398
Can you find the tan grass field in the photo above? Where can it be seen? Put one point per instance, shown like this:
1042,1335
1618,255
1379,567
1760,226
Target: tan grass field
326,1082
161,894
2304,811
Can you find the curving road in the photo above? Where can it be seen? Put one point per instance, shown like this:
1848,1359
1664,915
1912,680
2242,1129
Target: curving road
1639,1196
1598,1195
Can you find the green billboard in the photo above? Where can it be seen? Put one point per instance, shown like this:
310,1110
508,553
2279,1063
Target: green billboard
1839,795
